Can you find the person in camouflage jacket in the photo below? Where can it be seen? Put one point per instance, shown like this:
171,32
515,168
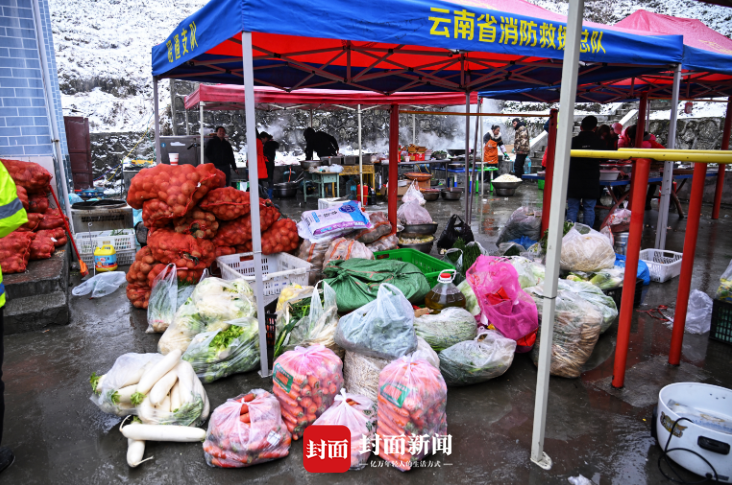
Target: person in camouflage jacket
520,146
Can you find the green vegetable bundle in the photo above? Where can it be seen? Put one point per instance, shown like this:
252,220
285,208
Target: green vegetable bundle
445,329
474,361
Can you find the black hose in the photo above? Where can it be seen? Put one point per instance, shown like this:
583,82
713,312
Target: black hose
664,457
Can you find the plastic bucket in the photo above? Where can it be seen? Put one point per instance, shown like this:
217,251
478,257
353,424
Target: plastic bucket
173,158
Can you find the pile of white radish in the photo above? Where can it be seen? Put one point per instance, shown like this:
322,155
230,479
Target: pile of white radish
160,391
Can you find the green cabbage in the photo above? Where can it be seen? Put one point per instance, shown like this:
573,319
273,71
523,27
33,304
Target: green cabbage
452,325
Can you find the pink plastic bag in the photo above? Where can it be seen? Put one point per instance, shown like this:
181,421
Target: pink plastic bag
502,301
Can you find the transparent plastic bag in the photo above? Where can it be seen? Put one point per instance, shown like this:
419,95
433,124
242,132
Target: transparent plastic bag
317,327
345,249
413,194
509,249
385,243
221,353
525,221
606,279
605,231
213,303
529,273
471,300
413,213
699,313
619,216
163,301
412,401
380,227
126,371
358,414
314,253
305,381
586,251
101,285
592,294
577,325
245,431
724,291
292,291
503,302
445,329
486,357
383,328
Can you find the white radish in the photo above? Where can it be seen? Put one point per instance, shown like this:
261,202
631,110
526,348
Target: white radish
198,389
165,405
156,372
146,411
148,432
175,398
134,375
100,381
163,387
185,381
125,394
135,452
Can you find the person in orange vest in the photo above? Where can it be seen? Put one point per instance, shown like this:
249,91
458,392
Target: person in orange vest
492,143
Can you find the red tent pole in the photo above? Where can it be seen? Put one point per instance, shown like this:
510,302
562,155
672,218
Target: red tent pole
393,164
725,146
632,255
687,261
549,170
640,128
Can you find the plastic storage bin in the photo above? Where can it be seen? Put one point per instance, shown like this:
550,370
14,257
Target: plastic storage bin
278,270
663,265
721,328
430,266
123,241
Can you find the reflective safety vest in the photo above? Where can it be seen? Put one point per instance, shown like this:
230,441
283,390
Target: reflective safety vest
12,214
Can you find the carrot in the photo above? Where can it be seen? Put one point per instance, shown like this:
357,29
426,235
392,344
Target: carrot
384,429
272,455
244,409
313,382
250,397
244,418
289,420
284,397
312,409
306,391
311,417
290,426
400,421
306,402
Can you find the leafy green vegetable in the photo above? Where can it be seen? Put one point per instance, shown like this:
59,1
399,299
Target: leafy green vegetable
565,229
450,326
94,381
479,360
114,396
470,253
471,301
137,398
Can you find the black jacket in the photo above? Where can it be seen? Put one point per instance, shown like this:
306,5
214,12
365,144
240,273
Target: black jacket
323,144
270,150
220,153
584,173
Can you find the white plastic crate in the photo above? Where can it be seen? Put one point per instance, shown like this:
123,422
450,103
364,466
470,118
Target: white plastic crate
663,265
124,258
327,203
123,240
278,270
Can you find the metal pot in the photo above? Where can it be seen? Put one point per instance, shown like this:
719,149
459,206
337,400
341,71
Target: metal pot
505,189
452,193
431,195
285,190
421,229
504,192
424,247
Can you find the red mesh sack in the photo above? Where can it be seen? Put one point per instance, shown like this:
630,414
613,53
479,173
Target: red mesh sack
179,186
23,196
15,251
239,231
58,235
51,220
34,220
281,237
191,276
197,223
141,267
224,251
139,295
38,202
226,203
183,250
244,248
42,247
156,213
28,174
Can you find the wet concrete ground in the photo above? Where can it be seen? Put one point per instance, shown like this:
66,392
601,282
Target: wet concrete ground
60,437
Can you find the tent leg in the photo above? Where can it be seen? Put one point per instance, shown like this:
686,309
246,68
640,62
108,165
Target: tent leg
640,128
720,170
360,161
158,158
668,167
687,261
472,183
466,189
481,144
200,125
549,172
414,129
393,165
249,106
570,68
311,118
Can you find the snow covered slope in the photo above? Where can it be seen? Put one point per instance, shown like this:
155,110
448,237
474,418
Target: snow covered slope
103,49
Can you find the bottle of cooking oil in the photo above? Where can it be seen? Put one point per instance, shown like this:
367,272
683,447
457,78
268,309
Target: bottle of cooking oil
445,294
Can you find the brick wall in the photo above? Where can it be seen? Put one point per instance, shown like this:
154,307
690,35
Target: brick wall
24,118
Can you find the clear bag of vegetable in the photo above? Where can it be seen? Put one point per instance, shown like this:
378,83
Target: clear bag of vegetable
606,279
163,300
412,401
413,194
308,320
314,253
245,431
525,221
724,291
112,392
358,414
345,249
305,381
584,249
529,273
445,329
385,243
383,328
594,295
577,325
486,357
361,373
413,213
471,301
213,303
221,353
292,291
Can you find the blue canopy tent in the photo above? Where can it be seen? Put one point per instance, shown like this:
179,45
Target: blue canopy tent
389,46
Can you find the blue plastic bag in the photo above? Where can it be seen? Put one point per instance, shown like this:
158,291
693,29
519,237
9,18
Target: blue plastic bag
525,241
643,272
